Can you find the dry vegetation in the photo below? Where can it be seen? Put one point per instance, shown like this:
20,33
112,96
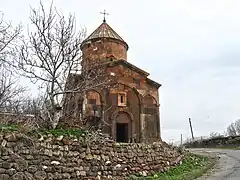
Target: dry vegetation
48,57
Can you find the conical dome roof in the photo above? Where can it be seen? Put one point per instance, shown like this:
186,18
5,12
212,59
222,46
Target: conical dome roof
104,31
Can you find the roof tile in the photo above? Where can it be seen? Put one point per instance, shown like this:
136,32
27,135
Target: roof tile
104,31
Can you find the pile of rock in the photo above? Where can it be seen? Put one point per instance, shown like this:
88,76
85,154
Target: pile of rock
51,157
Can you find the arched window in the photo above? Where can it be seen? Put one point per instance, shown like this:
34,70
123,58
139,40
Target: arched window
149,104
93,97
111,57
93,107
150,109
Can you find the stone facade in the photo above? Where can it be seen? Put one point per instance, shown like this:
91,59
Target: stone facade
23,157
102,49
129,108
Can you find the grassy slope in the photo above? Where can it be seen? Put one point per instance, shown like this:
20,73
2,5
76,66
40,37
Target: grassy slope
55,132
193,166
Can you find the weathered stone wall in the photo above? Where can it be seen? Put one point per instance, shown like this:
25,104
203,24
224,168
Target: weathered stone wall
231,141
51,157
142,116
102,49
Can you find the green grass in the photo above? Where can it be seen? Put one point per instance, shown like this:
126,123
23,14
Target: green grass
9,127
54,132
193,166
65,132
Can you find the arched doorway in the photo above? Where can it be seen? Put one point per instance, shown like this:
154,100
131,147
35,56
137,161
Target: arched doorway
150,123
123,127
93,109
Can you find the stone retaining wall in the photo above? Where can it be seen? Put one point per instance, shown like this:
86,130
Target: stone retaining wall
23,157
230,141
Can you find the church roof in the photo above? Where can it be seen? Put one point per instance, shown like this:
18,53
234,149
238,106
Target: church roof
134,68
104,31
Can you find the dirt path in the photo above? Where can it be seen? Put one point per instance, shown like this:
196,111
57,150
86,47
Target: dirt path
227,167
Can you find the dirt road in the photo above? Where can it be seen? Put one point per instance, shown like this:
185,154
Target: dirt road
227,167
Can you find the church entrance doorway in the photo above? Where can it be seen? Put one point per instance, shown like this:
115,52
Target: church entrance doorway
122,132
122,127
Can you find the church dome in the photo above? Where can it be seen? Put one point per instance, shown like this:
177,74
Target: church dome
104,31
102,45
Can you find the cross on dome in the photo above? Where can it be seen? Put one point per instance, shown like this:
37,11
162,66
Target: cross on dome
104,31
104,15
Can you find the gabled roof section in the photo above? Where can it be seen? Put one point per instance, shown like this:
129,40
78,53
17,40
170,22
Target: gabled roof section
134,68
129,65
150,81
104,31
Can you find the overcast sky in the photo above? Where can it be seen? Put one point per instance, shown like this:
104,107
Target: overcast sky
192,47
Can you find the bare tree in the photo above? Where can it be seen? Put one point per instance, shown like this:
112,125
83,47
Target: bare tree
215,135
231,130
237,126
9,88
31,105
50,55
31,109
8,39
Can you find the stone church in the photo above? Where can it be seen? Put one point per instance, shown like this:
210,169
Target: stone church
129,109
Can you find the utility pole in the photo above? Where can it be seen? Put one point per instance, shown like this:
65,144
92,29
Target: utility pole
191,128
181,140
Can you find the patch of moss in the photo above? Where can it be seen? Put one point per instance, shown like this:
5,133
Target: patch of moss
36,132
65,132
9,127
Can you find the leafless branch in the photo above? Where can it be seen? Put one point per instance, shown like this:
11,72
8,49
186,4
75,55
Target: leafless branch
231,129
8,40
9,88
